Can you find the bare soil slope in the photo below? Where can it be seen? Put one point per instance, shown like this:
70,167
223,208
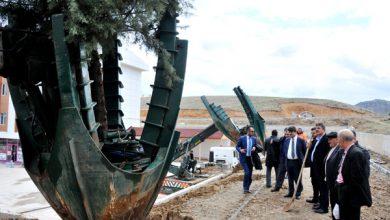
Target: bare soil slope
282,111
267,106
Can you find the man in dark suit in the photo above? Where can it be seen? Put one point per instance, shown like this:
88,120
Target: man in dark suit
246,146
317,154
282,166
353,188
332,162
272,150
293,153
365,152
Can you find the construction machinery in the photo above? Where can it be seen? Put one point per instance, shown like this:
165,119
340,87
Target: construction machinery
182,171
226,125
221,120
255,119
69,118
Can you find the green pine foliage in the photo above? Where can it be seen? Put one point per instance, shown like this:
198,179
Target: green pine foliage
94,21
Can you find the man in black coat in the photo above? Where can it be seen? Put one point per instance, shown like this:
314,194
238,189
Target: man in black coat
272,150
353,188
309,162
317,154
293,153
365,152
282,166
331,164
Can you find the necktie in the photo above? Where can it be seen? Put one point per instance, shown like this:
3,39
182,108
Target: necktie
248,146
340,178
342,162
293,148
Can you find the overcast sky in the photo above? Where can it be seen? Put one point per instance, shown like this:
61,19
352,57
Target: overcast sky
318,49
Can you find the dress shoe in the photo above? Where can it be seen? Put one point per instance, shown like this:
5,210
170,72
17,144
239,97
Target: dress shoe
321,211
316,207
311,200
275,190
288,196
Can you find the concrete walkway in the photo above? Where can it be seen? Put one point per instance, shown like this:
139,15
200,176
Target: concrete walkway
19,195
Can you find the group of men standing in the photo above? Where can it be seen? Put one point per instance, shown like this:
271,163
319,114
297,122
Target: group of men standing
339,167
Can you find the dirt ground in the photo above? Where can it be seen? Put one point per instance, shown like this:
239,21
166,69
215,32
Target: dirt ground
222,199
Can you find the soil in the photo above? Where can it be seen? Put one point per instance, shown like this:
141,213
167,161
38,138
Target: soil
222,199
380,159
283,113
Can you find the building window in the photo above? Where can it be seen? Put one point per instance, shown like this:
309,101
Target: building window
3,118
3,89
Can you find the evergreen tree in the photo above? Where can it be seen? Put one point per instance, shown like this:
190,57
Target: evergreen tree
94,21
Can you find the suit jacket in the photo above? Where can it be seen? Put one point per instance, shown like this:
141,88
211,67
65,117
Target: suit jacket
317,169
308,161
332,167
241,144
300,149
272,148
355,190
281,144
366,155
256,161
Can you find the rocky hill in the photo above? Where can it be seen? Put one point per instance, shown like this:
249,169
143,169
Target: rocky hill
379,106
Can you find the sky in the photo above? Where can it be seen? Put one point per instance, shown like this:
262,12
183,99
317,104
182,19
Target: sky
336,50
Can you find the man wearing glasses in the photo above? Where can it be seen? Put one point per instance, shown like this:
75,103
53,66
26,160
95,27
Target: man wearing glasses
246,146
318,151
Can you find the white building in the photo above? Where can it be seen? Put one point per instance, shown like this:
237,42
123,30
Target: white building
132,68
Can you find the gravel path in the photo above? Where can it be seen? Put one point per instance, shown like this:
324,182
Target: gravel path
222,199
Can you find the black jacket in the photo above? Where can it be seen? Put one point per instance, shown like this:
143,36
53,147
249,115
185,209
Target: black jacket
317,169
366,155
272,149
332,167
281,141
355,190
256,161
308,162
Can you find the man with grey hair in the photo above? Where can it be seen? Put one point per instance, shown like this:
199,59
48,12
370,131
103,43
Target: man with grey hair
352,183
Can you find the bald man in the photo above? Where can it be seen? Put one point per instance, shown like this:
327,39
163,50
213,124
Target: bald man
352,183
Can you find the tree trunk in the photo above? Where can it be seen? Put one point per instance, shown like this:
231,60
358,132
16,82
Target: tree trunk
97,89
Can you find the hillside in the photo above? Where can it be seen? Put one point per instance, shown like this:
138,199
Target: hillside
378,106
268,106
282,111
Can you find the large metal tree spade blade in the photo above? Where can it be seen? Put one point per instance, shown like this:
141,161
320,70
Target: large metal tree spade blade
254,117
82,174
222,120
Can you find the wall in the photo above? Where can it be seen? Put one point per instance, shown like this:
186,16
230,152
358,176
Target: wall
131,93
8,130
202,150
4,104
378,143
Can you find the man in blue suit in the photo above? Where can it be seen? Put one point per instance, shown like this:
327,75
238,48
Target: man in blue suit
293,153
246,147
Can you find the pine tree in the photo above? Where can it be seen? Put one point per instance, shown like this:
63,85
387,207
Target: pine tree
94,21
